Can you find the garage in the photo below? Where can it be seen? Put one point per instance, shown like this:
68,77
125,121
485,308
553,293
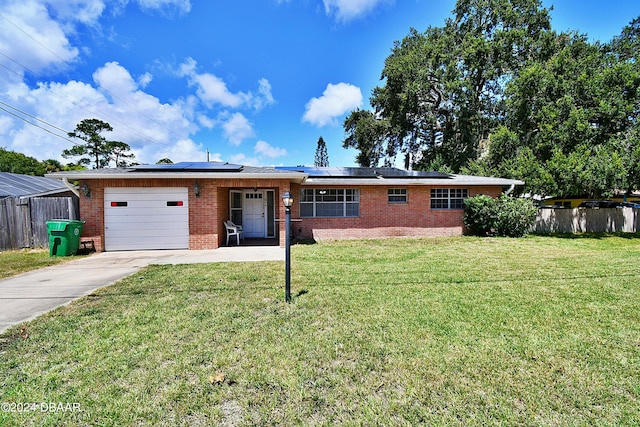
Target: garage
146,218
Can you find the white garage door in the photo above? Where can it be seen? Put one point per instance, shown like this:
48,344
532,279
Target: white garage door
146,218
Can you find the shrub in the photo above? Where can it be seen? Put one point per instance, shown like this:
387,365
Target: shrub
480,215
505,216
515,216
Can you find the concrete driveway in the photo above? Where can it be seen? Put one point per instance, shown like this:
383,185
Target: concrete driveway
29,295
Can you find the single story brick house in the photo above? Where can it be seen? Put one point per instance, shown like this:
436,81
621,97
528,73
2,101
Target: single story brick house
184,205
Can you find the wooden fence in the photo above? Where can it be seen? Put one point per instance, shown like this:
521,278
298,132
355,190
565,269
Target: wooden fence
23,221
582,220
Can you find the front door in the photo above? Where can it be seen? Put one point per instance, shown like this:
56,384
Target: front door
253,214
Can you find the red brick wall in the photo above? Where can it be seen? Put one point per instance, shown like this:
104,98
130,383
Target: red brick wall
206,213
379,218
92,212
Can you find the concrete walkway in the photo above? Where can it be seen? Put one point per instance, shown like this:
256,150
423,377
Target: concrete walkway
29,295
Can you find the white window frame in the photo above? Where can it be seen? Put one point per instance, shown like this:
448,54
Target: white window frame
399,194
448,198
312,201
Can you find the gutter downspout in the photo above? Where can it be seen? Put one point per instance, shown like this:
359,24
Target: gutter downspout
510,189
70,186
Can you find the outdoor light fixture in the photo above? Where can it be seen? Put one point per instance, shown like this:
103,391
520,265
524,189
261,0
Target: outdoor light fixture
86,191
287,201
196,189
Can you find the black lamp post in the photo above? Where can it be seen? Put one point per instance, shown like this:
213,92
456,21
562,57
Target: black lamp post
287,201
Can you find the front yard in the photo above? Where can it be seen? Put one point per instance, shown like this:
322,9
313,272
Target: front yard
453,331
19,261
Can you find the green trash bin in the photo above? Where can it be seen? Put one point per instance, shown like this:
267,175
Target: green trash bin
64,236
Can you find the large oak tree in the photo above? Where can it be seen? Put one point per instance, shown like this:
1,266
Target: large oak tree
495,91
443,89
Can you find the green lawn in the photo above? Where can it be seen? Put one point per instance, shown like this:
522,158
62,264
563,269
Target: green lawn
19,261
541,331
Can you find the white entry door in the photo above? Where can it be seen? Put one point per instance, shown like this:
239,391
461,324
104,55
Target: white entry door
253,214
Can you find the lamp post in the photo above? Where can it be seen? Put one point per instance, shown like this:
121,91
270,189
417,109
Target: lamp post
287,201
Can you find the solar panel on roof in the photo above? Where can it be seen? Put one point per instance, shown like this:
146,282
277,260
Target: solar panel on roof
191,167
361,172
401,173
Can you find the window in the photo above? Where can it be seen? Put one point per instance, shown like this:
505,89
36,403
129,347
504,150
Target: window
271,213
397,195
330,202
448,198
236,207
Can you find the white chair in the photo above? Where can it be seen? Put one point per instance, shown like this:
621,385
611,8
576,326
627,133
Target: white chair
233,230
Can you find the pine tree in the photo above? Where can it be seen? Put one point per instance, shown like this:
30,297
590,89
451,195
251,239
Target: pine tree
322,157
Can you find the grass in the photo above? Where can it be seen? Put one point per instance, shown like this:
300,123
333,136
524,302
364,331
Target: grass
454,332
20,261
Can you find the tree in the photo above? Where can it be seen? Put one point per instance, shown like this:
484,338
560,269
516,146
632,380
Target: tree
443,91
569,122
366,133
164,161
96,150
627,45
322,157
119,153
93,150
13,162
52,165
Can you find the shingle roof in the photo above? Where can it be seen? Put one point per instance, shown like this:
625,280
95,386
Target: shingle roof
186,169
17,185
363,173
392,176
308,175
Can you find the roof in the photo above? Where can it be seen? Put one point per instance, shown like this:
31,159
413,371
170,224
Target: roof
190,167
202,170
302,174
392,176
362,173
17,185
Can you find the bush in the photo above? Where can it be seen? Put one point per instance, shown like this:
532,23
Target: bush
480,215
505,216
515,216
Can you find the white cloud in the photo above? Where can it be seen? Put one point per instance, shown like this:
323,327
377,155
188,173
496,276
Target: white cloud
85,11
335,101
32,39
115,79
182,151
267,150
347,10
241,159
5,125
237,129
212,90
167,7
205,121
145,79
265,98
150,127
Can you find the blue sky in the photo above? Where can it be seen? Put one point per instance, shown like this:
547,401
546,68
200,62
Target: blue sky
251,82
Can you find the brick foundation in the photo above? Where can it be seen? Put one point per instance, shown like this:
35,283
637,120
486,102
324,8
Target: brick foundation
379,218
